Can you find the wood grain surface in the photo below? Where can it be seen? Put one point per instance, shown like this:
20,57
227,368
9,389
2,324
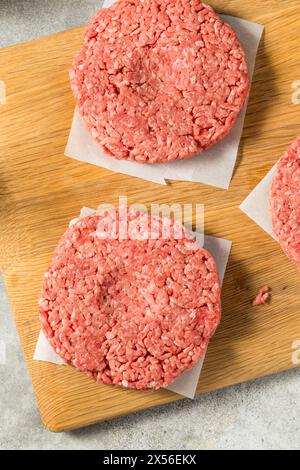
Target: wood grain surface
41,190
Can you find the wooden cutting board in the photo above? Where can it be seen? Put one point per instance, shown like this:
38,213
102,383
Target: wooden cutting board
41,190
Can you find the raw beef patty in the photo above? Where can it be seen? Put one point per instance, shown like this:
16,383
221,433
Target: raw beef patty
159,80
129,312
285,202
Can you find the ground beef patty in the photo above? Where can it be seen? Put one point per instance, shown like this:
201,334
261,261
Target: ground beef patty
285,202
136,313
159,80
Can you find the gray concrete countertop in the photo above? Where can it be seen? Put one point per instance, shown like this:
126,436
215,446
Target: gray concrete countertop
264,414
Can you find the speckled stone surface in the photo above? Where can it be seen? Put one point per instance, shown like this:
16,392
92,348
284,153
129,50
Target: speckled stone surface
264,414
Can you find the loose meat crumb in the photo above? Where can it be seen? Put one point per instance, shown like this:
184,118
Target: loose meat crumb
130,312
263,296
285,202
159,80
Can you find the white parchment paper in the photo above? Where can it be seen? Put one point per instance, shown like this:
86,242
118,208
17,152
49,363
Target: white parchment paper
214,167
257,207
186,384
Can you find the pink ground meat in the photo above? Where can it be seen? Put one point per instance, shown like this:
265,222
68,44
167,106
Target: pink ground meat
134,313
263,296
285,202
159,80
